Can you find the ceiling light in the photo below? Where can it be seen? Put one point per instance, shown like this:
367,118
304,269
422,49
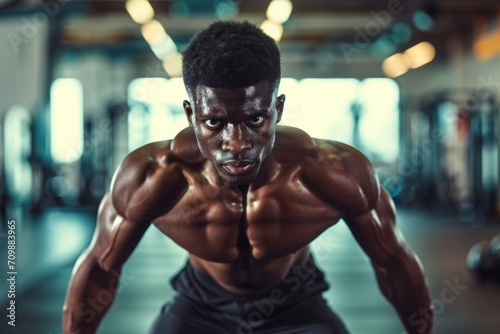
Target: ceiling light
279,10
153,31
273,29
164,48
173,65
401,32
420,54
422,20
140,11
395,65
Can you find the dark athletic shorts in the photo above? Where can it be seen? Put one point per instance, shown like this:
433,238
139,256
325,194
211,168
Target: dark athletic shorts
294,306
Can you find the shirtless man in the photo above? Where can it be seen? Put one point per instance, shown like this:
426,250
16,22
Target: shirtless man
245,197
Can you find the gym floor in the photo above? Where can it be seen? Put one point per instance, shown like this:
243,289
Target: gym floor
48,246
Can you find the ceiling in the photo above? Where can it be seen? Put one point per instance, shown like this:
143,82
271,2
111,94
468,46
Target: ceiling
330,28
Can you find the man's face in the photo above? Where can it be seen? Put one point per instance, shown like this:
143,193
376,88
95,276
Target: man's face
235,127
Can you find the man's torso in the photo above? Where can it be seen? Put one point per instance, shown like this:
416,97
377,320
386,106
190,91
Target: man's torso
247,238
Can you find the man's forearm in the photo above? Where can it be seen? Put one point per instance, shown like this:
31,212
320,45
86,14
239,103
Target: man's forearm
418,321
402,282
90,295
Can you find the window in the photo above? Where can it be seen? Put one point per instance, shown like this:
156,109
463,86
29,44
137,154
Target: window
360,113
379,119
156,111
324,108
66,120
17,141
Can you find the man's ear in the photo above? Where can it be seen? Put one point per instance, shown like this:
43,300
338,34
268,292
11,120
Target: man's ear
280,103
189,111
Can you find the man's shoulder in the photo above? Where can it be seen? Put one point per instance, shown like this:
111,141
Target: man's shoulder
153,172
295,143
340,174
292,144
182,149
341,156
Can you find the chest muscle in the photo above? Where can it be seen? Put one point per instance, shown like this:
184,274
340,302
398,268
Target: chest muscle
267,223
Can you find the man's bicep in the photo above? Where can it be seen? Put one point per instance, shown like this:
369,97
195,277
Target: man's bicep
376,230
115,238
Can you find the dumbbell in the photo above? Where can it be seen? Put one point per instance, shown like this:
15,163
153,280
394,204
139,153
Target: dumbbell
480,261
495,252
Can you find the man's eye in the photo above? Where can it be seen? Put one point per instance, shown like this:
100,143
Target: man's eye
257,120
213,123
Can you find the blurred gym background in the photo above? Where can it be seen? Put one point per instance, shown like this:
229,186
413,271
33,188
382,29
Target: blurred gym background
415,85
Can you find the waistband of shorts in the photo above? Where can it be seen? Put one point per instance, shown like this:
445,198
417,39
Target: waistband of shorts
298,283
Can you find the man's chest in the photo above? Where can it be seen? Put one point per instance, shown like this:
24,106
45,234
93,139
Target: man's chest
270,221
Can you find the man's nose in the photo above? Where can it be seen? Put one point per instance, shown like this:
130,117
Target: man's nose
236,139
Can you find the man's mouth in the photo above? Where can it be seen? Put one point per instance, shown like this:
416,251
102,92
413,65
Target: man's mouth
237,167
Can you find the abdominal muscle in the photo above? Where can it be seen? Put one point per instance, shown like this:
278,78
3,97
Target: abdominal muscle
249,276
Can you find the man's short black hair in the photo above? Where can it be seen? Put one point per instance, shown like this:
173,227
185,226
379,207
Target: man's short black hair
230,54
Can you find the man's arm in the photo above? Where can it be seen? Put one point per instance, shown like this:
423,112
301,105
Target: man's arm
343,177
145,186
95,278
398,270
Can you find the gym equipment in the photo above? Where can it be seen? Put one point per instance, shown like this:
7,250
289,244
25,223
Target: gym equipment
495,253
483,260
495,245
